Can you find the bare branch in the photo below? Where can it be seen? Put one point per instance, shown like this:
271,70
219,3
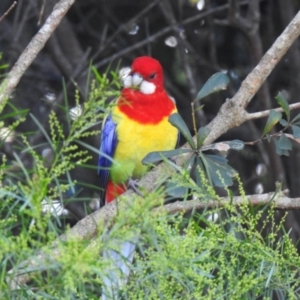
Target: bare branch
232,113
34,47
41,14
265,113
156,35
8,11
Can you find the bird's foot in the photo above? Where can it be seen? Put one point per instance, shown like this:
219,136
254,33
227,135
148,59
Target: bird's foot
172,160
133,184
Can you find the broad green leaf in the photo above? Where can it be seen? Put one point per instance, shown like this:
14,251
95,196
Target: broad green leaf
283,122
284,104
203,132
225,146
219,171
189,164
296,119
176,191
177,121
156,156
283,145
180,191
284,142
273,119
215,83
296,131
282,152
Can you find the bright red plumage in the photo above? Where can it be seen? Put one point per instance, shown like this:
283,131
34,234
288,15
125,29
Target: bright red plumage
113,190
145,109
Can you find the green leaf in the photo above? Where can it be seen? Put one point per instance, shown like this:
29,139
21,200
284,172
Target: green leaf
295,119
189,164
273,119
156,156
296,131
218,170
282,152
283,122
225,146
177,121
96,73
4,66
283,145
284,104
203,132
215,83
284,142
176,191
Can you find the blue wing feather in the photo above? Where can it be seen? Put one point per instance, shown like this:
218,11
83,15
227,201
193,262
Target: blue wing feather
108,146
178,140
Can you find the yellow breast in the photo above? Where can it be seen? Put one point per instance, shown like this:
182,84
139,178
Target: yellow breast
135,141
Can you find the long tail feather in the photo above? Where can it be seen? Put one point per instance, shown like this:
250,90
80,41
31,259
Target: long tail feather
117,273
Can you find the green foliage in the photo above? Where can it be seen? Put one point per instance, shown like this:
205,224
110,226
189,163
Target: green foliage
273,119
215,83
229,259
217,253
215,167
25,227
282,139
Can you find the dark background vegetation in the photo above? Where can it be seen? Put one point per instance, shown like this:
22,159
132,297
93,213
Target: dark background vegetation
112,33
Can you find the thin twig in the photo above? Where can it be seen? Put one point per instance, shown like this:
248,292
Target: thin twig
232,113
8,11
33,48
41,13
265,113
155,36
167,11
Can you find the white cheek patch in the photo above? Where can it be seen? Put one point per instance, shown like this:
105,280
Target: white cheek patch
147,87
128,81
136,79
124,72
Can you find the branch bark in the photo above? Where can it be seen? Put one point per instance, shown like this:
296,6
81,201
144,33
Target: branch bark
34,47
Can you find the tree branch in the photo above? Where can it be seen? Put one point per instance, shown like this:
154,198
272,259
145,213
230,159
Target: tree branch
34,47
265,113
87,228
233,113
8,11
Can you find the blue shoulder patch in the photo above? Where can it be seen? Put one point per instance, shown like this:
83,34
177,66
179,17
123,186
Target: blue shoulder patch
108,146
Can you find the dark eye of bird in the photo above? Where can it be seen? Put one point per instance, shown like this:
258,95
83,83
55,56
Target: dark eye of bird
152,76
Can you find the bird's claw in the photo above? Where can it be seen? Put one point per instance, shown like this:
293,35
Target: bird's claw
172,160
133,184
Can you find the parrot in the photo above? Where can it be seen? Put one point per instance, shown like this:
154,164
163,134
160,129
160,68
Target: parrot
137,125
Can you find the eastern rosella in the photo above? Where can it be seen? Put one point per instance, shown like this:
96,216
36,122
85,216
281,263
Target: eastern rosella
136,126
